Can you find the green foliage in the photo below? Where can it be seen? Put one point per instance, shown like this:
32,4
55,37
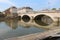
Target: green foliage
0,12
53,8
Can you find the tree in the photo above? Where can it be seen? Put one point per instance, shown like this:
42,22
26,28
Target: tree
0,12
53,8
59,8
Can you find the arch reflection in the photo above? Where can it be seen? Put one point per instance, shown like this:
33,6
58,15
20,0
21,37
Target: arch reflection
15,23
43,20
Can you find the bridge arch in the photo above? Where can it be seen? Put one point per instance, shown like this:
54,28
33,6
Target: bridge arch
26,18
43,20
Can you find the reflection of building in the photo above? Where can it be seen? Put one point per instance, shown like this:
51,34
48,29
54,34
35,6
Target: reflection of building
12,11
12,23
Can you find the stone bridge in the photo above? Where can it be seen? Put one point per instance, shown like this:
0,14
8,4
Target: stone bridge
39,18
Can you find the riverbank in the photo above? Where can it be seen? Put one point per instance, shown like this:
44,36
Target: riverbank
38,35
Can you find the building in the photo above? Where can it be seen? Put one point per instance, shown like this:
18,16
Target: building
10,12
1,15
25,10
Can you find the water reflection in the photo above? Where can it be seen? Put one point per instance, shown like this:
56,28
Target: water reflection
14,27
12,23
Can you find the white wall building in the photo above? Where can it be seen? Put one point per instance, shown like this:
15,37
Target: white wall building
25,10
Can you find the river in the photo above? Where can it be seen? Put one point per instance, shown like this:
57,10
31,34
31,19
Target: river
14,28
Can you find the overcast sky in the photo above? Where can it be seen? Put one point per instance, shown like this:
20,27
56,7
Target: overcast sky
35,4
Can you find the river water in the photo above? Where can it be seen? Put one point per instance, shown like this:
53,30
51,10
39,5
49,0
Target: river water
14,28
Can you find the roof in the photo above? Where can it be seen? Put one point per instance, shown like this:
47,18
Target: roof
25,8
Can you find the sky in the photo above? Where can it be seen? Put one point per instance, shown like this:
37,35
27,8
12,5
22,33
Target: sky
35,4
